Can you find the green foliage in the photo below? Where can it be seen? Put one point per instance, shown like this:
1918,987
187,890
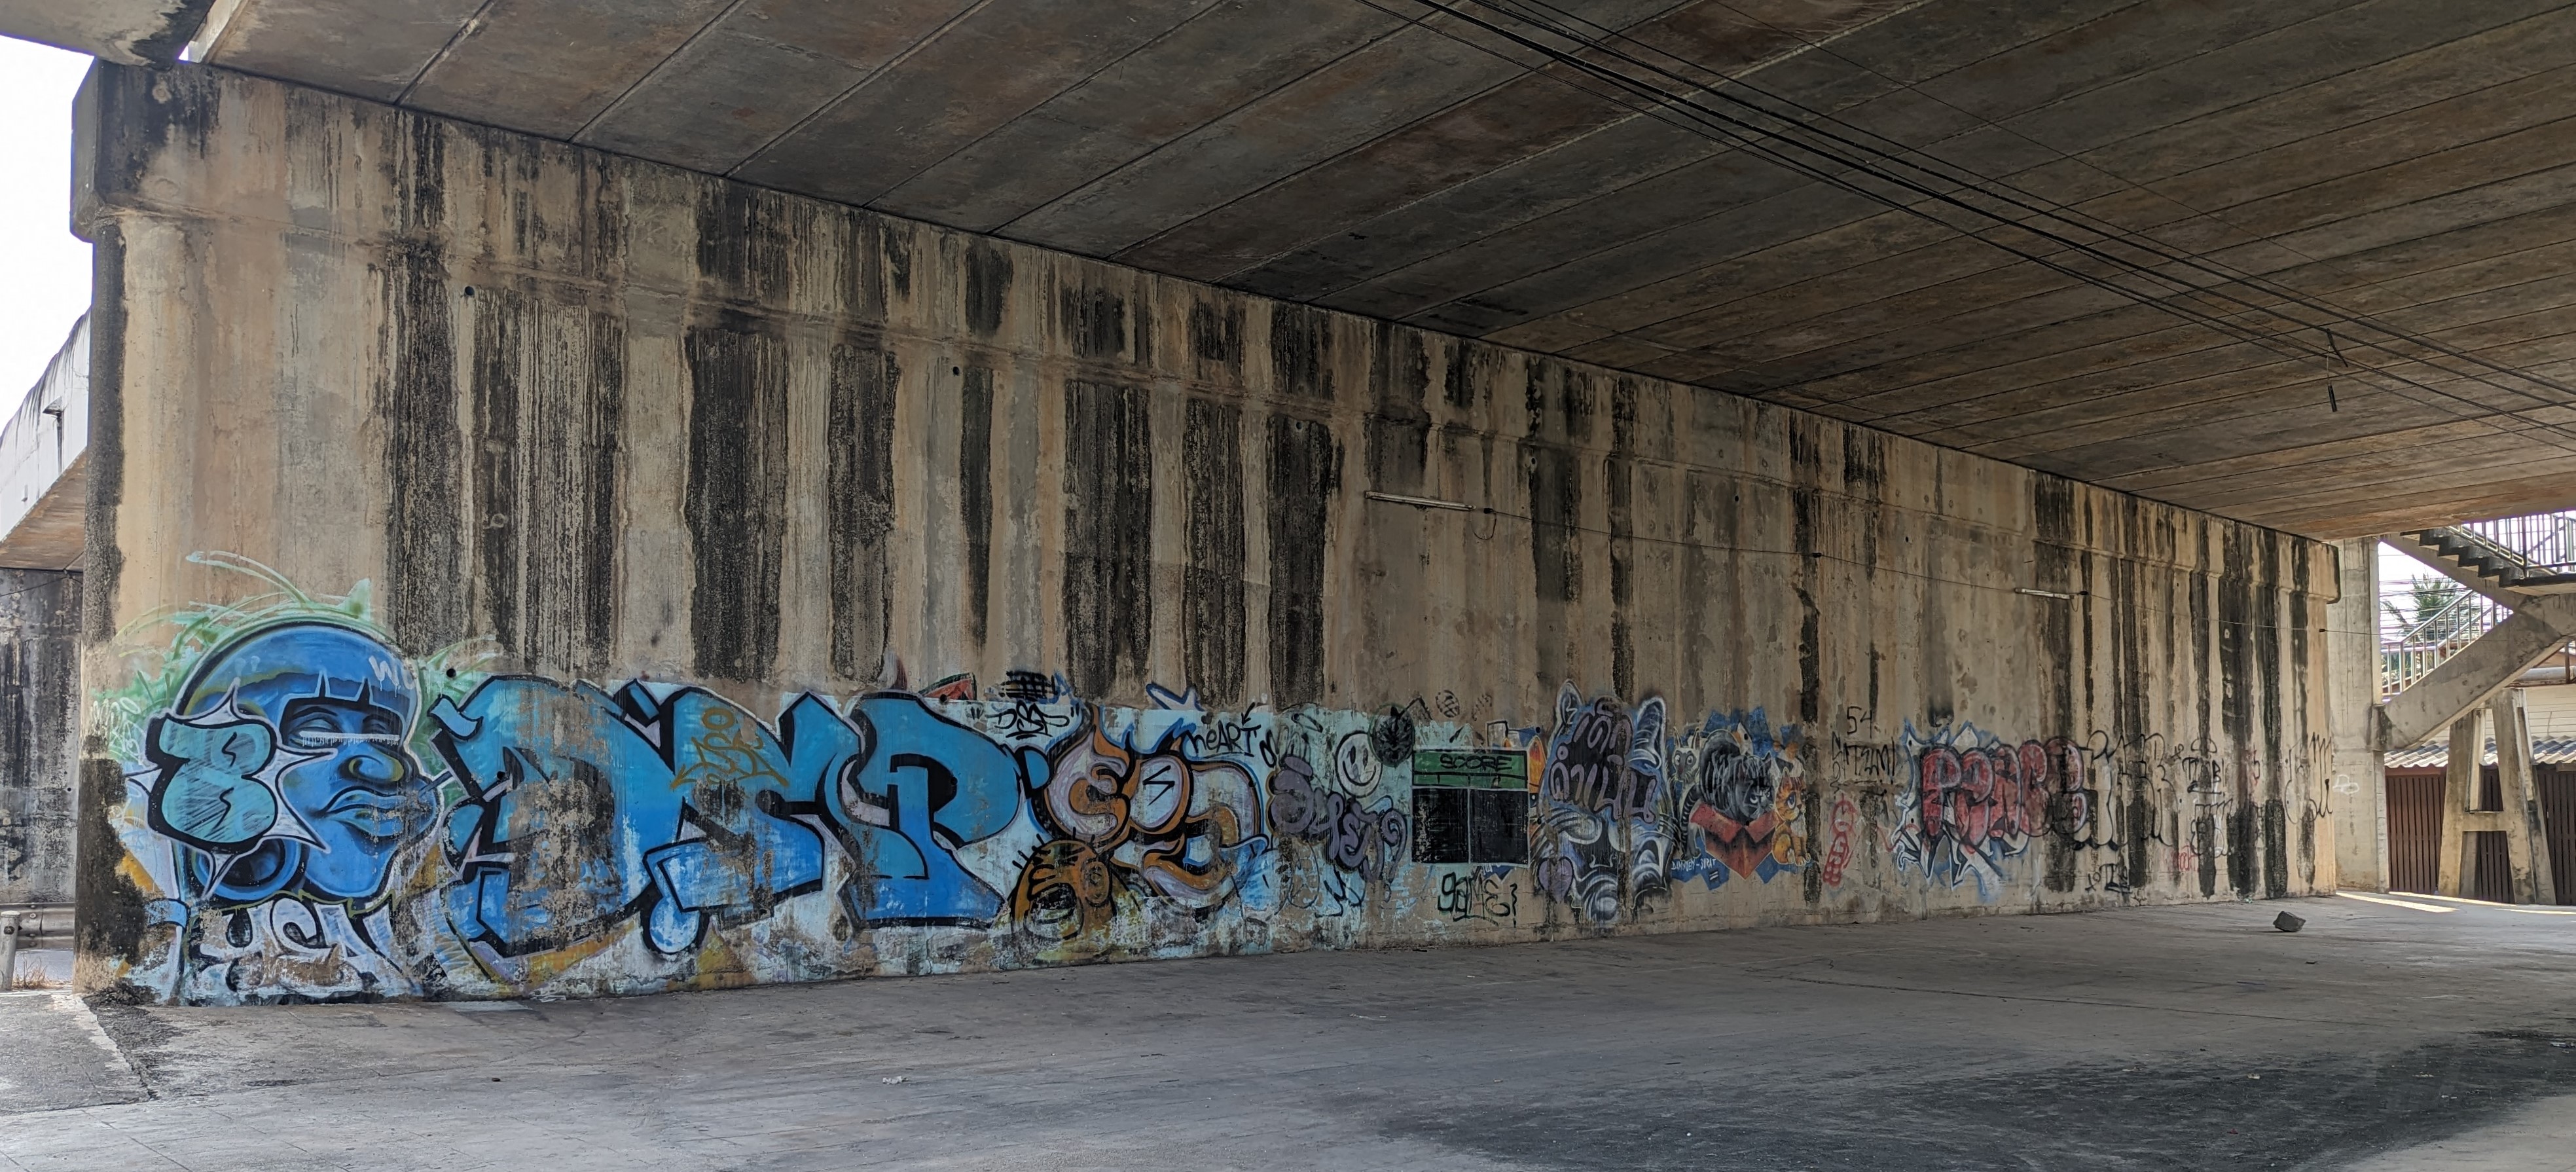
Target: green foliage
2436,611
160,663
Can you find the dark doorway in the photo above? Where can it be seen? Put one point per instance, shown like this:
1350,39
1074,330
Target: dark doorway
2557,786
2414,830
2491,866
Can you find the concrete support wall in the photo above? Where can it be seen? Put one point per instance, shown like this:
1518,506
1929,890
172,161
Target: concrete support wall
520,569
40,695
2358,803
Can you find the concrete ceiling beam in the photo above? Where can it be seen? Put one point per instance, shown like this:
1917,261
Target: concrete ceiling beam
130,32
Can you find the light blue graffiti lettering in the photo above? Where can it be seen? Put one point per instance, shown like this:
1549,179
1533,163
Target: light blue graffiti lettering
927,786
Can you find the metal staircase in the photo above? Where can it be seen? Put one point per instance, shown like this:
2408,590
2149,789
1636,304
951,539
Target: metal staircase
2514,605
2532,555
2411,646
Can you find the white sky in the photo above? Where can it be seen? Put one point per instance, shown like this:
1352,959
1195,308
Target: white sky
44,269
2396,568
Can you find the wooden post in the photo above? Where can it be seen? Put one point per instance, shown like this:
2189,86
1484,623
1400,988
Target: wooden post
2525,840
2459,796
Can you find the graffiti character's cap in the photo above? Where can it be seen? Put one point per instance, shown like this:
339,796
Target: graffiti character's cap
267,668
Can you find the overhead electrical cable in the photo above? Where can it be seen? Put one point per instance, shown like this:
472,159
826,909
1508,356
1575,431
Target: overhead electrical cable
2074,217
1684,112
2329,355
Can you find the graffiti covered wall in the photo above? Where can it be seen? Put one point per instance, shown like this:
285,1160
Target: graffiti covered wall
629,581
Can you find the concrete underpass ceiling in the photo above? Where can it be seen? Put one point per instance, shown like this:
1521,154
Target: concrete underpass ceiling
2407,161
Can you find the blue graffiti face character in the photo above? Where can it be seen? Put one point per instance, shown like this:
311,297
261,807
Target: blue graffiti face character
286,763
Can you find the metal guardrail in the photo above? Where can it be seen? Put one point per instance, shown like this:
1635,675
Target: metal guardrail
10,924
2412,642
28,926
2545,541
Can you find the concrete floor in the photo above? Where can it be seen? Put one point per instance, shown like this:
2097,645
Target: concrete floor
2382,1037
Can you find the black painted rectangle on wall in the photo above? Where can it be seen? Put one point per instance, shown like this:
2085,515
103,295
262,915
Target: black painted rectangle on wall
1109,537
1440,825
736,498
1305,474
1498,826
1458,825
859,504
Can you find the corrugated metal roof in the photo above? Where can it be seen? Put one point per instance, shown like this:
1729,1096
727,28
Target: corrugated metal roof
2437,754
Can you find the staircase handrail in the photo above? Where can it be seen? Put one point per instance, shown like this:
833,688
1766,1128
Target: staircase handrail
2539,544
2423,643
2413,636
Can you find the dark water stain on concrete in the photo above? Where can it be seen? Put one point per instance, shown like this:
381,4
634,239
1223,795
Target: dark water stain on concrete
1093,320
40,706
1212,617
2276,849
744,243
424,459
1109,538
2149,1112
142,112
736,497
494,398
108,918
2054,516
1301,351
546,412
103,560
1555,485
1620,474
988,286
580,573
1399,371
894,247
975,495
1469,380
1305,476
860,503
1216,336
1806,503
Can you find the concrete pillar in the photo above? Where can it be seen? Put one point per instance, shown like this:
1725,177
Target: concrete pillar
2459,798
2522,827
2356,790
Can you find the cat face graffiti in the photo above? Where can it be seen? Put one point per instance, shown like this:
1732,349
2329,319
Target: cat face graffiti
1736,782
